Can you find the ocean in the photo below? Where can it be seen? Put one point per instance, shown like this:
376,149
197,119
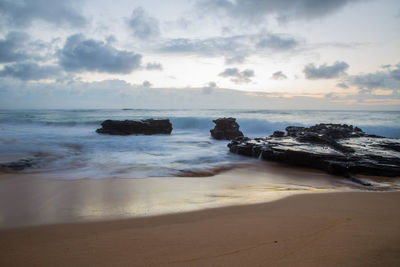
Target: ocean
66,145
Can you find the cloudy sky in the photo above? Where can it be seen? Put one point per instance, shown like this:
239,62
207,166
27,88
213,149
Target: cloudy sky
306,54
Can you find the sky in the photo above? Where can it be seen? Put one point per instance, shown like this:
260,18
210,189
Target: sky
264,54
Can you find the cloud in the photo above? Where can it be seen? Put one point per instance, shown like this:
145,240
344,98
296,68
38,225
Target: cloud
30,71
277,42
11,47
77,94
342,85
81,54
368,83
235,59
209,88
142,25
207,47
256,10
18,46
324,71
146,84
24,12
238,76
395,74
154,66
279,75
234,48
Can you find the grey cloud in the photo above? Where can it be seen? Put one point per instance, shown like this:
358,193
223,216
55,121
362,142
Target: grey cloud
154,66
212,84
24,12
288,10
235,48
324,71
342,85
111,39
235,59
386,79
395,74
279,75
142,25
209,46
30,71
11,47
277,42
238,76
81,54
370,80
120,94
146,84
209,88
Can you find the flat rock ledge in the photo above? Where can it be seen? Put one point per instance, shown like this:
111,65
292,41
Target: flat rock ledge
226,129
128,127
338,149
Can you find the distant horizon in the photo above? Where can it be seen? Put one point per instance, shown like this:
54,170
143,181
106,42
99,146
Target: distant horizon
192,109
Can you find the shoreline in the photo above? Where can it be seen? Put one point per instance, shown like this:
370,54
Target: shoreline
330,229
38,200
44,201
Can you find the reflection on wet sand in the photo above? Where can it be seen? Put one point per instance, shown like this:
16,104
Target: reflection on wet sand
38,200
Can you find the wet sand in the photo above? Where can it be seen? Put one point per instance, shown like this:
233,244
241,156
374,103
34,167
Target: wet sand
310,219
328,229
37,200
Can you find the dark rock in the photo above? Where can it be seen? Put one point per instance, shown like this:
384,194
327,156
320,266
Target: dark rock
32,161
127,127
391,146
278,134
294,130
18,165
338,149
226,129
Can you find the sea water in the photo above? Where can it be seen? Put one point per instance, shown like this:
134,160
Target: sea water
66,145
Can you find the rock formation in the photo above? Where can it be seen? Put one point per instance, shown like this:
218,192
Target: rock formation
338,149
226,129
128,127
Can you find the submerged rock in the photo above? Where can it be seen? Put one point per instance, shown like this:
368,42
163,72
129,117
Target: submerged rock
25,163
127,127
226,129
338,149
18,165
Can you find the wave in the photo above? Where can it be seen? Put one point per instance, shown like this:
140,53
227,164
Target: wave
253,123
250,127
27,121
208,172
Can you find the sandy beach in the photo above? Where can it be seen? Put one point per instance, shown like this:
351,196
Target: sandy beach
39,199
258,215
329,229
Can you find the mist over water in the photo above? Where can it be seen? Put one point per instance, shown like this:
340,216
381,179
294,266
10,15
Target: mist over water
67,146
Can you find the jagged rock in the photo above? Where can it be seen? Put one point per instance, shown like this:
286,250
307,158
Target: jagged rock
226,129
17,165
127,127
338,149
278,134
32,161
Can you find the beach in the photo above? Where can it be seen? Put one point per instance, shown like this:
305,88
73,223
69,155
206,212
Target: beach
258,215
75,197
37,200
328,229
